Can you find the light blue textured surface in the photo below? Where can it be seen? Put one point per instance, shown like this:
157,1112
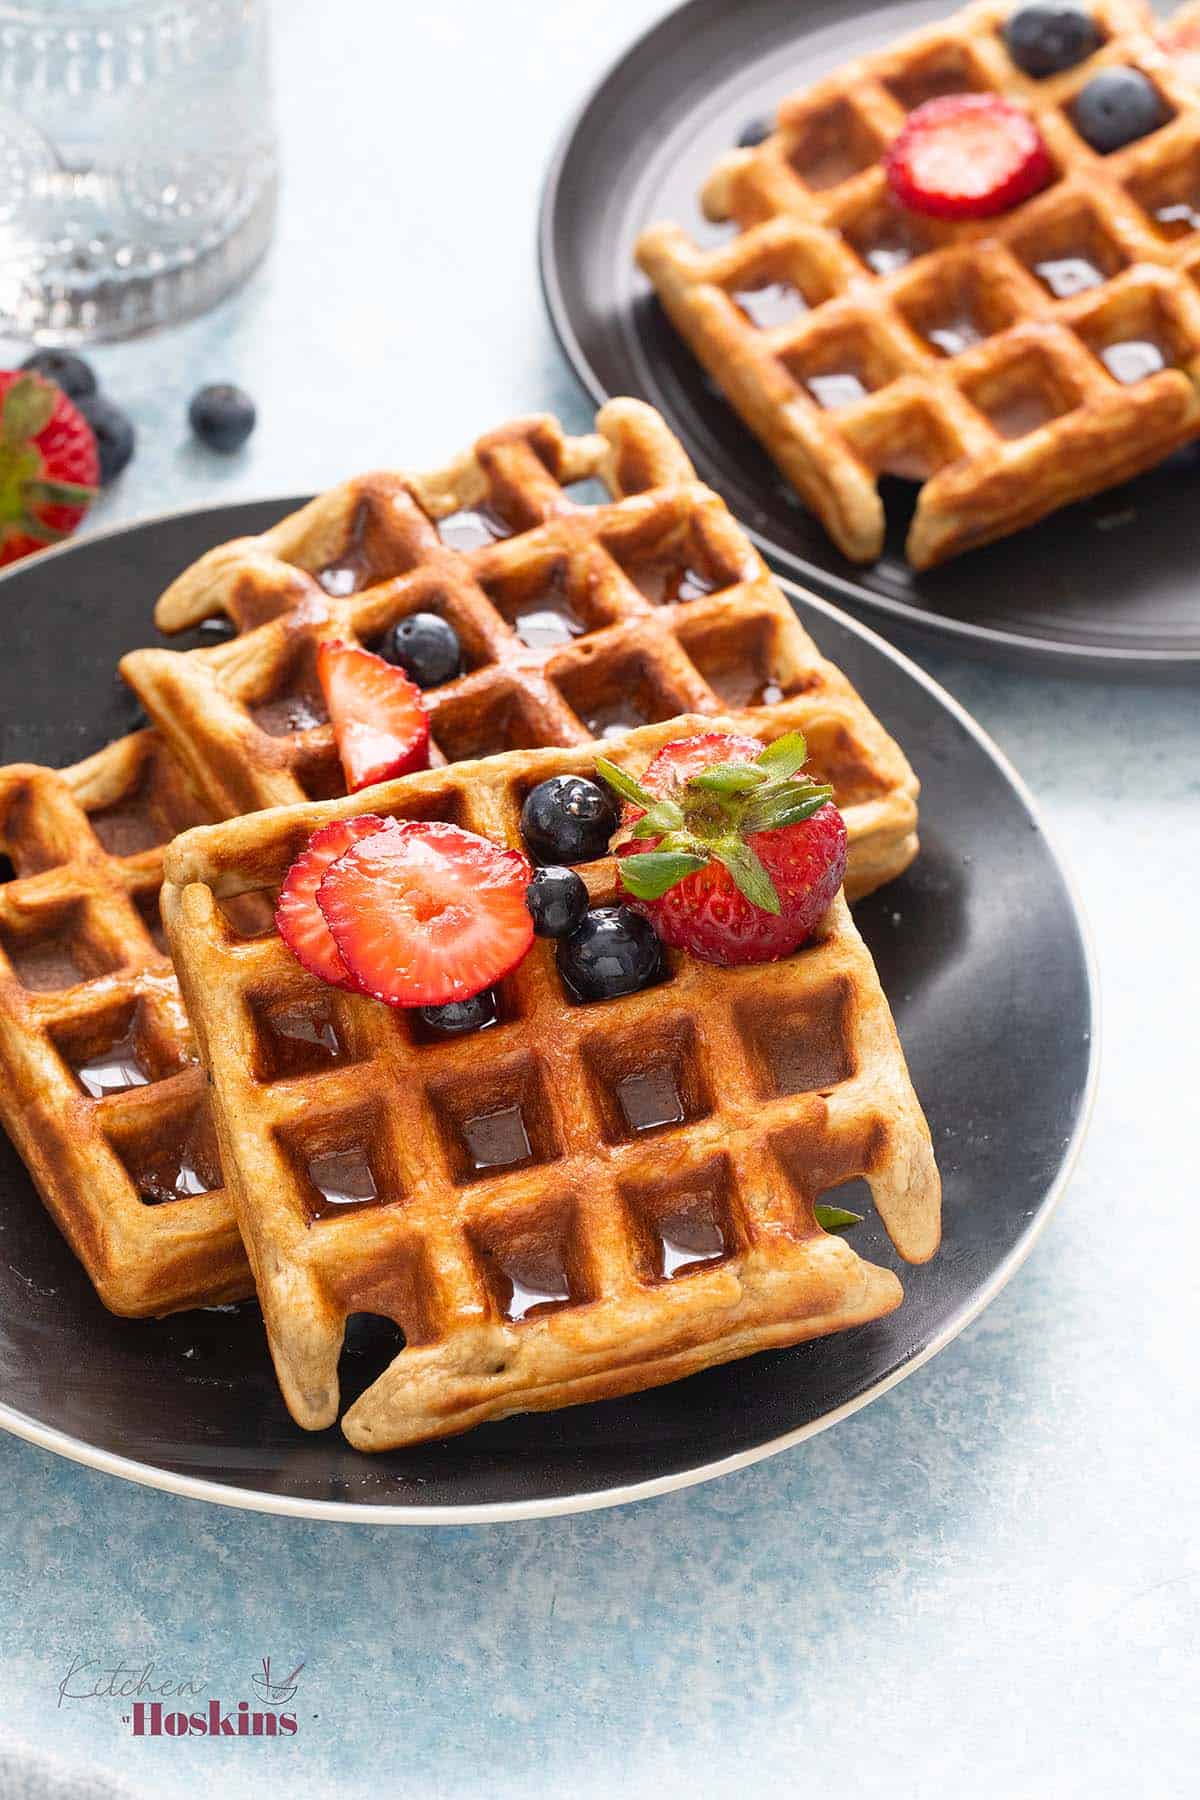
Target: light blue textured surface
988,1582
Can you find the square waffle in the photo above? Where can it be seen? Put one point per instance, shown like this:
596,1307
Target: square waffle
1009,366
100,1086
578,621
585,1201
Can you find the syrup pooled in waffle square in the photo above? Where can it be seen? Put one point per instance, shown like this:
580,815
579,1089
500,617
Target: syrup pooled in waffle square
581,1201
577,622
1010,366
100,1086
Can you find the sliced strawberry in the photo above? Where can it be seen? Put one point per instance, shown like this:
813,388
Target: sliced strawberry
299,919
967,156
378,716
426,913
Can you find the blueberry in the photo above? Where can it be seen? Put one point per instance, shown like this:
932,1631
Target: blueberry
222,416
568,820
1051,35
113,432
557,900
458,1017
1116,107
426,647
754,133
615,951
75,377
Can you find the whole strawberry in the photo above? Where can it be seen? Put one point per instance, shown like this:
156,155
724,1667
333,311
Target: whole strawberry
48,464
732,854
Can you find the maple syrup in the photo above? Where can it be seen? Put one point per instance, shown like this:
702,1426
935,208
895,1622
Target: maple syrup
297,711
834,391
472,528
688,1240
953,336
180,1168
497,1140
44,964
614,718
650,1098
1178,217
1067,275
113,1070
1133,360
538,1285
299,1039
344,1182
545,619
669,581
127,828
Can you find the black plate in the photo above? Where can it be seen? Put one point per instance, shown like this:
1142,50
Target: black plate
979,947
1111,581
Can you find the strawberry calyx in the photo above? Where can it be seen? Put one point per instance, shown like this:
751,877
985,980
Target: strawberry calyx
26,411
710,817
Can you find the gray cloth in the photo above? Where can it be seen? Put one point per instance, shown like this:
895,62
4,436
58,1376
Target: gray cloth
29,1774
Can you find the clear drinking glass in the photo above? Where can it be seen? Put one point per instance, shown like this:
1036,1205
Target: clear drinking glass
137,161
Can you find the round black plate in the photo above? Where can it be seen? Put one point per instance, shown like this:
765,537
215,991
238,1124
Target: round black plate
979,947
1111,581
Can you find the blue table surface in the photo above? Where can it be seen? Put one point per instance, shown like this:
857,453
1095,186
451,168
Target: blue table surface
987,1582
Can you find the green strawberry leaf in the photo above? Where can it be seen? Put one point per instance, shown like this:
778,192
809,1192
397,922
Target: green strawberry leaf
832,1218
28,408
729,778
749,875
623,784
648,877
786,755
663,816
786,806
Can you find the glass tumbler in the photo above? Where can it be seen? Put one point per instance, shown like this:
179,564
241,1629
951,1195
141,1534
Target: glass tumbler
137,161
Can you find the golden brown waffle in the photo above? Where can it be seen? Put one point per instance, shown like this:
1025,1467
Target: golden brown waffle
577,621
100,1087
583,1201
1002,364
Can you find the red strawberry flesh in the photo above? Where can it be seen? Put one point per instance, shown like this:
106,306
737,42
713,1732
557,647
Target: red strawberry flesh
967,156
298,919
378,717
425,913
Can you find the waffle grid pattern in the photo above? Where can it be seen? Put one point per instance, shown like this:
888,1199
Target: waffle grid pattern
654,602
994,362
100,1086
599,1199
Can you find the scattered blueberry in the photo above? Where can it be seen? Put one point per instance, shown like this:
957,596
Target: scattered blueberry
567,819
426,647
557,900
1116,107
222,416
458,1017
75,377
113,432
614,951
754,133
1051,35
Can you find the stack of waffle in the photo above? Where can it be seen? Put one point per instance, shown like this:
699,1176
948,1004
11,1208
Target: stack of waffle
586,1200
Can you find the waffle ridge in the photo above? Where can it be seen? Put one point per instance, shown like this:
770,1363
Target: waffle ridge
246,718
100,1085
529,1236
1012,411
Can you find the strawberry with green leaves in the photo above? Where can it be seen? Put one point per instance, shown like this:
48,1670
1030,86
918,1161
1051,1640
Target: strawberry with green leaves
730,851
48,464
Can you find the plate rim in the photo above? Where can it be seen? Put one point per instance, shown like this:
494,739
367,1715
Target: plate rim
1058,657
245,1499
